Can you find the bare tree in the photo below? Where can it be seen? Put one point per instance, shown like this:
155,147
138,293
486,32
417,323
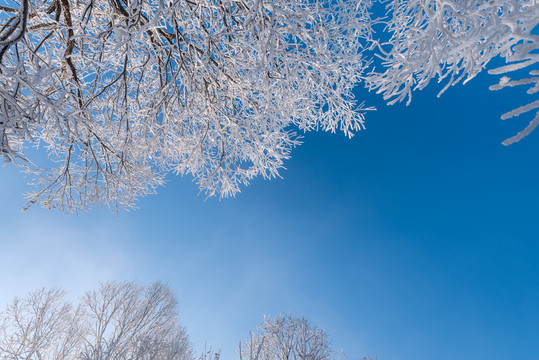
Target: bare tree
119,321
121,92
453,41
286,337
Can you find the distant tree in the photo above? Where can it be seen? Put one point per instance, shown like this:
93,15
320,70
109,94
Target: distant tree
287,337
125,321
121,92
119,321
453,41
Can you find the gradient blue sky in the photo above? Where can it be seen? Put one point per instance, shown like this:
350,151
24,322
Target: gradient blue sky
415,240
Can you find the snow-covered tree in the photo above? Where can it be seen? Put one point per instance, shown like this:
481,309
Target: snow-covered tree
121,92
287,337
118,321
452,41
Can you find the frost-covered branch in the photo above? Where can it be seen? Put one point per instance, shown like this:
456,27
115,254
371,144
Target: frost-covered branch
453,41
524,55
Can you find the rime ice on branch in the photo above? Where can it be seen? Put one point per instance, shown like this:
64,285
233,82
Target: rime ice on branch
453,40
121,92
524,55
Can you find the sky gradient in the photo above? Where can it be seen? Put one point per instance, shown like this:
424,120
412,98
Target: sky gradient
415,240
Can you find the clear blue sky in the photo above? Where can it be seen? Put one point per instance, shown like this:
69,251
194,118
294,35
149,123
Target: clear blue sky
416,240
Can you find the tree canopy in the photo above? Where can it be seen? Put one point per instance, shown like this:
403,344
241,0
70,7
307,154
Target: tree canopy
287,337
120,93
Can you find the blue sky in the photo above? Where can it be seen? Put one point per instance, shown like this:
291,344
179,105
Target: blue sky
415,240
